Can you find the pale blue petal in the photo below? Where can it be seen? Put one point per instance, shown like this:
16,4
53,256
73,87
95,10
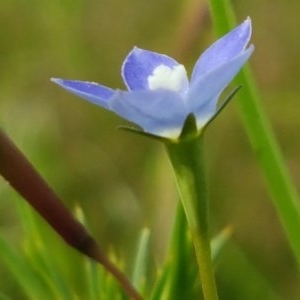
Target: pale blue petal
140,64
223,50
204,93
90,91
158,112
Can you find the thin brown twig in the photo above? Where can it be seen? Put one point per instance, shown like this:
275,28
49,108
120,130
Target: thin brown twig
193,22
23,177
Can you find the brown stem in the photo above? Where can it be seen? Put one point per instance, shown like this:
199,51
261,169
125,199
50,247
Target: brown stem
23,177
193,22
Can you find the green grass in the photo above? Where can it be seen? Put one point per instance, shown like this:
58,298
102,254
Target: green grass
123,182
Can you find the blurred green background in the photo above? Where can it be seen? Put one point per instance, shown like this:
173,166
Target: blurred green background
124,182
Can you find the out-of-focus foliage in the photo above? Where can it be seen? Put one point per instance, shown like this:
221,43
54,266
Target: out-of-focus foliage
123,182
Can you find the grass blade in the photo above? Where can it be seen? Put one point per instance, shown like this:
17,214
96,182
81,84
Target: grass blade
280,185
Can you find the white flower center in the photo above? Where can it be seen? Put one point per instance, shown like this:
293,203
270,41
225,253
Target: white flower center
164,77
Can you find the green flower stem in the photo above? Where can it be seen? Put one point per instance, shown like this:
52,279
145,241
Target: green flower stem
187,160
284,195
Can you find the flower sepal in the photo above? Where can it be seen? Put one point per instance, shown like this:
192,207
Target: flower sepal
189,129
145,134
221,107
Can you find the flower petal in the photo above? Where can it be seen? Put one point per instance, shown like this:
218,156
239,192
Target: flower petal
158,112
140,64
223,50
90,91
204,93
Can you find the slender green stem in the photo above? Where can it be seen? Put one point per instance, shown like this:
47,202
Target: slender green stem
187,160
283,192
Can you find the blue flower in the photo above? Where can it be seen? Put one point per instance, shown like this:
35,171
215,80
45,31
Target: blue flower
160,96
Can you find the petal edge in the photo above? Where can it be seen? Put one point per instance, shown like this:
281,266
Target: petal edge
91,91
223,50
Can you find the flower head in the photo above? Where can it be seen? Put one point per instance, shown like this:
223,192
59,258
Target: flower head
160,96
